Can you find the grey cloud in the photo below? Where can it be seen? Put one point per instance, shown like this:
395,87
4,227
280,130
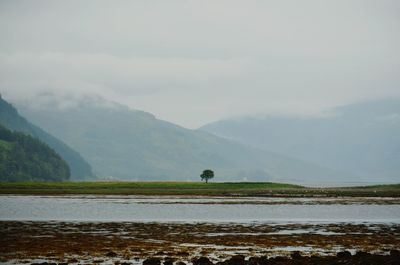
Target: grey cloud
192,62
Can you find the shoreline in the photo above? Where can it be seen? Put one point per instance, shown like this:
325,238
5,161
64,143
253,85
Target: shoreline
226,200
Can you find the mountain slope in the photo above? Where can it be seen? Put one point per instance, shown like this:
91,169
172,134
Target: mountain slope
24,158
129,144
362,138
10,118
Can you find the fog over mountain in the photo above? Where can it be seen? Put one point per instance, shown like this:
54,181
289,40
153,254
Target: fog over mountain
194,62
363,138
122,143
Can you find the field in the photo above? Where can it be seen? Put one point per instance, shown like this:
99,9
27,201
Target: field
194,188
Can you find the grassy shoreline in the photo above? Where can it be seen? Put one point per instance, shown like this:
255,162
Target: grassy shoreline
262,189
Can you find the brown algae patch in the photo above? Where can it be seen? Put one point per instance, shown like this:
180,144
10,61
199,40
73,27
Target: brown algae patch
96,242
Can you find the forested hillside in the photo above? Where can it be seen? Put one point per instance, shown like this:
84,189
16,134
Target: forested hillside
24,158
10,118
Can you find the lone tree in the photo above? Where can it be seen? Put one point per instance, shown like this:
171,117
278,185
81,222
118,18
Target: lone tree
207,174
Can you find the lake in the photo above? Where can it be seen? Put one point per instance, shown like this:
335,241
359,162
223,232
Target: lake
177,209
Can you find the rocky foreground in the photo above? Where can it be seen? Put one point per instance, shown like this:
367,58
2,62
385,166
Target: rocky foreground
198,244
345,257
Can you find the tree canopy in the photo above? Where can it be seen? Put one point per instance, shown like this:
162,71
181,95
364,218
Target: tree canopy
24,158
207,174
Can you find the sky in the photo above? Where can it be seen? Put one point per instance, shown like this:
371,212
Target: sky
194,62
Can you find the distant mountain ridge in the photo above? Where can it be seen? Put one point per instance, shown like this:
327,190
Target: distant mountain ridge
362,138
128,144
10,118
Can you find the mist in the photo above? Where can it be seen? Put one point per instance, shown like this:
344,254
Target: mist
192,62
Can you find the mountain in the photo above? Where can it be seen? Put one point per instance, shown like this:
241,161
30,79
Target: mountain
10,118
24,158
129,144
362,138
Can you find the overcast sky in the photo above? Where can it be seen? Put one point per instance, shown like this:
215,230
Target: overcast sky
193,62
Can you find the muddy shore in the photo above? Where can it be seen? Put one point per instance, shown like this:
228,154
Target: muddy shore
118,242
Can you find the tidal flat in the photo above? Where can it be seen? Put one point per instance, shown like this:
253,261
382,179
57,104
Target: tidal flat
119,242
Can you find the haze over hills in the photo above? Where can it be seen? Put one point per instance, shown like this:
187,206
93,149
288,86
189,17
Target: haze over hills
10,118
128,144
362,138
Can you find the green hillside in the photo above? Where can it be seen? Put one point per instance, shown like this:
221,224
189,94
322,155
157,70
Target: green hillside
10,118
24,158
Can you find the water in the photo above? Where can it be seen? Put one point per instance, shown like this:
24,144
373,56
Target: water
156,209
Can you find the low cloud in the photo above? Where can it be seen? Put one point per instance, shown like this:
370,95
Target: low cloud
192,62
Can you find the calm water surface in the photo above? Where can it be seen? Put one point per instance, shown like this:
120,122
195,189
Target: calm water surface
156,209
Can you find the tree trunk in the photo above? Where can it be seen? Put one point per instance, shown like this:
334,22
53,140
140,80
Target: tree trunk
206,180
